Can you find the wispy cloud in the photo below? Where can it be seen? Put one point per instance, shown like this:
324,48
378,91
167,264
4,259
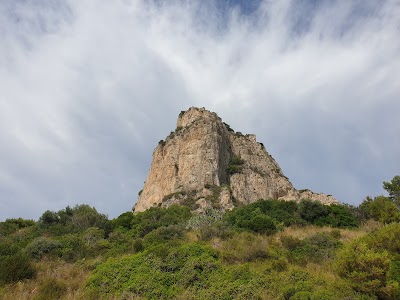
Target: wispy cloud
89,87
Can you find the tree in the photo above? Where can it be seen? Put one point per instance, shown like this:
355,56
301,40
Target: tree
49,218
393,188
311,211
381,209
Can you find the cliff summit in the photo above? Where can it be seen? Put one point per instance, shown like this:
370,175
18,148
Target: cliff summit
204,163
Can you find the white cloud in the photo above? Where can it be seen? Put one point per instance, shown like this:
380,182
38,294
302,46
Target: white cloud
89,87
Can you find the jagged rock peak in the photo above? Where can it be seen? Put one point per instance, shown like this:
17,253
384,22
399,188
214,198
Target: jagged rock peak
194,114
204,163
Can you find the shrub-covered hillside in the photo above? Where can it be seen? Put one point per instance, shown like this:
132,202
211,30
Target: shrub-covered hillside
266,250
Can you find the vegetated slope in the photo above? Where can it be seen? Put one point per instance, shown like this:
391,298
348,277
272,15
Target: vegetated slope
206,164
266,250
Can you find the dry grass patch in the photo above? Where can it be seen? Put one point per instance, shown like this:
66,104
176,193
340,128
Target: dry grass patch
344,235
54,280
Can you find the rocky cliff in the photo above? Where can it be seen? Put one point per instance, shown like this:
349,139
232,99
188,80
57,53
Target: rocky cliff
204,163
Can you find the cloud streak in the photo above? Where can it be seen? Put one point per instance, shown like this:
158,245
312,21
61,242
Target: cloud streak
89,87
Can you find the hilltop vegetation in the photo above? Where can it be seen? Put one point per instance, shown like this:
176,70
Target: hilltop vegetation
266,250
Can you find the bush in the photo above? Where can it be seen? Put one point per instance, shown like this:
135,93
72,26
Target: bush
152,277
15,268
261,223
268,216
311,211
49,218
123,221
42,246
252,220
371,263
85,216
365,269
339,216
235,165
73,247
386,238
73,220
393,188
8,247
381,209
51,289
155,217
163,234
11,225
317,248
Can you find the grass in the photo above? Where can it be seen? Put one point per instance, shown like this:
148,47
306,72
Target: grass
265,257
71,275
346,235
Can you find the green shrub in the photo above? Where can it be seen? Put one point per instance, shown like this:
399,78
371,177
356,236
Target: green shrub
8,247
365,269
394,271
73,247
386,238
311,211
371,263
43,246
85,216
123,221
94,242
393,188
381,209
49,218
73,220
235,165
339,216
155,217
15,268
121,242
251,218
11,225
153,277
164,234
261,223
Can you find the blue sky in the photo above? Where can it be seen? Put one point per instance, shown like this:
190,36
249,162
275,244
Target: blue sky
88,88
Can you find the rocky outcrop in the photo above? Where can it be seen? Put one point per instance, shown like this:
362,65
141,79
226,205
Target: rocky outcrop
204,163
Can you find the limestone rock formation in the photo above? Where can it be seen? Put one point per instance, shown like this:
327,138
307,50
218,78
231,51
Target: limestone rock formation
204,163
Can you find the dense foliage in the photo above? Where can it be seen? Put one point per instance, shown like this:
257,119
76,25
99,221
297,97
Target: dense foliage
266,250
393,188
270,216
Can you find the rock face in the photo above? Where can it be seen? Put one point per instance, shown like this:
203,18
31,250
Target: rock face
204,164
